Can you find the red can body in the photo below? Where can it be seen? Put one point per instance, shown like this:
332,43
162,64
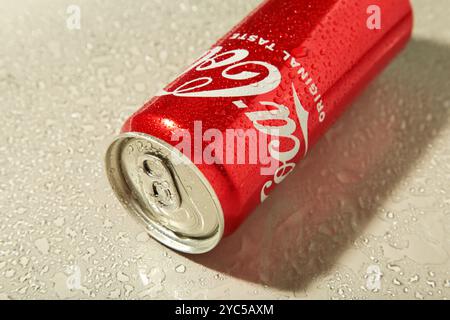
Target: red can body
300,61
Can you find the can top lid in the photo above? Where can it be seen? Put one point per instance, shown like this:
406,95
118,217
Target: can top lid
165,191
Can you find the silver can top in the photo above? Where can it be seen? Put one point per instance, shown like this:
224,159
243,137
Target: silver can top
158,184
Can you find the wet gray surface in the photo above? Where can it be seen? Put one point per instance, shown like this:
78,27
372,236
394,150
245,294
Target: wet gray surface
366,215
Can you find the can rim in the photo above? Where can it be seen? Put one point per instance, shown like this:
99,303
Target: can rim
162,234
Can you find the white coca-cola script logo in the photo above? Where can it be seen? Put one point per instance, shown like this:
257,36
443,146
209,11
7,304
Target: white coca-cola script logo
285,128
231,61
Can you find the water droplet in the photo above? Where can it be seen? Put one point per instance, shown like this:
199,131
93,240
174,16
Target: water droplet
10,273
418,295
393,267
42,245
414,278
122,277
431,283
181,268
157,275
115,294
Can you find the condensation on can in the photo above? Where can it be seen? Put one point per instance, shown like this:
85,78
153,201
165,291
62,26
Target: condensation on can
301,61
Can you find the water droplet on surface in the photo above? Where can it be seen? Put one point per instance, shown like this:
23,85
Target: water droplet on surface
414,278
42,245
393,267
115,294
431,283
23,261
10,273
419,296
122,277
181,268
59,221
21,210
157,275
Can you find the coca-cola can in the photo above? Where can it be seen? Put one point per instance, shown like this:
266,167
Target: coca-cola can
197,158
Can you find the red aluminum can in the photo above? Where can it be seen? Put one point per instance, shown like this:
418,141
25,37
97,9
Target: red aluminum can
286,72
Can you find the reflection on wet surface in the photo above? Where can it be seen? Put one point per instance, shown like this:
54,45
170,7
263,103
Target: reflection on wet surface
325,207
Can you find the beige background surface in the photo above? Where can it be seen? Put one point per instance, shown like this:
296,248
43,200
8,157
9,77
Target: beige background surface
367,215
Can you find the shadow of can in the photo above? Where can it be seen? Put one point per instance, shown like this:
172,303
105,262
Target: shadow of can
300,232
